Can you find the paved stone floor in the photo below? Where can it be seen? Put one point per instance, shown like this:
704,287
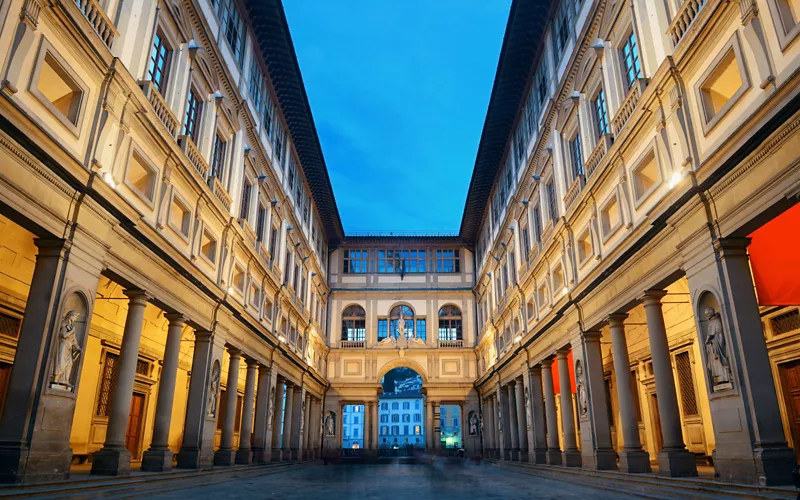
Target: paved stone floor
413,482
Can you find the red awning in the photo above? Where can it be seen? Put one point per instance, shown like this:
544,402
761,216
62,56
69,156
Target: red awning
571,374
775,260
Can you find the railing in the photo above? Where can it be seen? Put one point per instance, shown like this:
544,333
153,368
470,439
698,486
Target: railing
264,253
97,18
351,452
628,106
683,19
599,151
574,190
249,233
403,451
352,344
451,343
222,194
195,158
160,107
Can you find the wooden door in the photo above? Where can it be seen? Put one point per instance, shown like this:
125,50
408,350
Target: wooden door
656,419
5,376
135,424
790,380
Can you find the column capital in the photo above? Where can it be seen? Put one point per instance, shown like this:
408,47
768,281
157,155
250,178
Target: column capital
251,362
234,353
264,370
139,297
591,336
547,363
535,369
203,335
562,353
175,319
653,297
51,247
732,247
617,319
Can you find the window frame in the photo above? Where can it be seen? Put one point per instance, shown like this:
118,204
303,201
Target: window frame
638,200
732,45
636,61
137,151
166,42
194,108
606,234
175,195
786,37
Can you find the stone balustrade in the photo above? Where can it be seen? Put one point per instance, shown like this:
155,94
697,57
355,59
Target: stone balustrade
160,107
628,106
193,155
683,19
352,344
94,14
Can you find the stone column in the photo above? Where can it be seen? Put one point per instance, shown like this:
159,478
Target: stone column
429,426
243,454
570,455
369,423
298,416
596,450
275,423
489,427
674,460
159,457
437,426
197,449
114,459
538,443
226,455
501,412
513,422
522,422
375,424
632,458
265,396
553,454
37,415
286,437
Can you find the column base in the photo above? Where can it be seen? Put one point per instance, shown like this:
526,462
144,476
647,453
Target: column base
514,454
538,457
553,456
244,456
195,458
225,457
261,456
767,467
677,463
600,460
157,460
20,465
523,456
286,454
571,458
111,461
634,462
505,454
276,454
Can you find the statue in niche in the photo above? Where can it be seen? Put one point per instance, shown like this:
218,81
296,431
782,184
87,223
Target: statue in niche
719,369
330,424
213,390
68,351
528,409
583,401
271,412
474,424
401,326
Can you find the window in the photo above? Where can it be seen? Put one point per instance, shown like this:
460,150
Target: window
238,279
722,85
537,225
261,217
208,247
179,216
558,280
421,329
646,176
630,60
406,405
191,121
268,116
610,217
561,28
789,14
417,430
450,323
233,28
576,155
356,261
160,57
417,417
551,201
401,261
584,245
386,262
141,177
279,146
245,205
218,157
256,87
107,376
58,89
354,323
683,366
526,241
273,244
447,261
384,406
600,113
384,418
408,318
383,329
455,421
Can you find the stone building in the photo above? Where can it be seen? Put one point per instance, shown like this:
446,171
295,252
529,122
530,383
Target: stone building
401,417
353,426
177,288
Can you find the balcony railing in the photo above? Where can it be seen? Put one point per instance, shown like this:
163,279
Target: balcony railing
599,151
352,344
683,19
628,106
451,343
249,233
97,18
195,158
160,107
222,194
574,190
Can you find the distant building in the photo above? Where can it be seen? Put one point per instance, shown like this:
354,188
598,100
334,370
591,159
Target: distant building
353,426
450,423
401,418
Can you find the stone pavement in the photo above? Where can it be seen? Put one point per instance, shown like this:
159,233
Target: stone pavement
413,482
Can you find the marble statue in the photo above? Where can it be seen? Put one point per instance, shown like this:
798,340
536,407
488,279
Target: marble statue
213,391
401,326
68,350
330,425
473,424
528,409
717,364
583,401
271,412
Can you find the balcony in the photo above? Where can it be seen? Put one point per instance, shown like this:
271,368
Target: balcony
352,344
222,194
451,343
628,106
160,107
598,153
98,20
193,155
249,233
574,190
683,19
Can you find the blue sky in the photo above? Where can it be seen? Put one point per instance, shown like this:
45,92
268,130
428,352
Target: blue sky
399,91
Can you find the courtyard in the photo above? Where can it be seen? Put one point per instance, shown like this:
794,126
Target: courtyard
413,481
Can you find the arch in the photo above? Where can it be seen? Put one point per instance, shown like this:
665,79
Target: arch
354,310
450,310
450,323
398,305
403,363
354,324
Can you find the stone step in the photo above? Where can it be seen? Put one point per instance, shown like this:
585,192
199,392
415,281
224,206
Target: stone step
137,483
651,486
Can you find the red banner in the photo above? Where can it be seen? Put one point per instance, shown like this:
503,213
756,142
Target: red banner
775,260
571,363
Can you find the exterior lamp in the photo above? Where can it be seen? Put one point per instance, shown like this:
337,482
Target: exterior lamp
109,179
282,338
230,290
518,339
676,178
564,291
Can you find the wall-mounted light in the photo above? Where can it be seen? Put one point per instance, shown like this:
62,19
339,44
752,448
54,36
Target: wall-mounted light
511,228
564,291
109,179
536,177
525,201
676,179
496,258
230,290
518,339
489,274
282,338
273,201
297,244
288,227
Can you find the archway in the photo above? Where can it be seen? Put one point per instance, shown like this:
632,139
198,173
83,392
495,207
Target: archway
401,414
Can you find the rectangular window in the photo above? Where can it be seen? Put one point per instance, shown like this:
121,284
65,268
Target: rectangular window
683,366
356,261
280,136
383,329
447,261
268,114
561,28
537,225
421,329
273,244
526,241
261,217
551,202
106,384
576,155
218,157
191,121
160,57
58,88
245,205
256,87
233,28
386,261
600,113
630,60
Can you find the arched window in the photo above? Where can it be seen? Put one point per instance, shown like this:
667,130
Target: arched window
408,319
354,325
450,323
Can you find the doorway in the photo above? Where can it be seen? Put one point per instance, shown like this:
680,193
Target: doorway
658,440
790,380
132,436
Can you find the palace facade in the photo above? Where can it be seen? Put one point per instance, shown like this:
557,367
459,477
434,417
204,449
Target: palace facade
178,290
